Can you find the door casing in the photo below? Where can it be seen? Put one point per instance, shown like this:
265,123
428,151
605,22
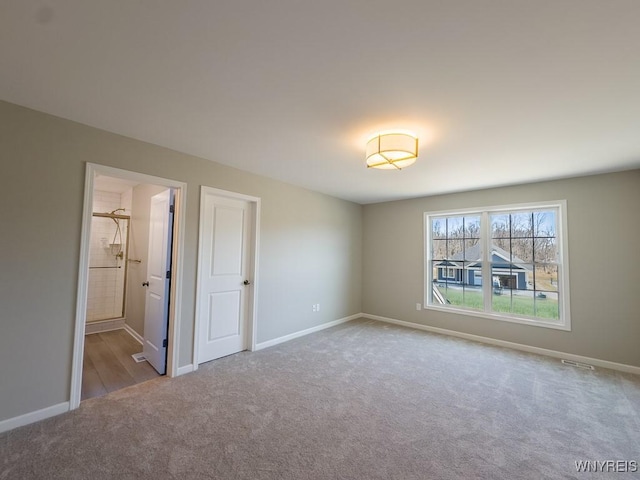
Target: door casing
175,308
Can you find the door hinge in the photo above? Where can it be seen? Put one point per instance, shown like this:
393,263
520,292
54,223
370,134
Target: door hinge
172,208
168,273
164,343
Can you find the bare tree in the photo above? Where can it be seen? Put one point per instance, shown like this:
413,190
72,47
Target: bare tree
453,235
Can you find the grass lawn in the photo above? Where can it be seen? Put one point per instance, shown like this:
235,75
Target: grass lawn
505,303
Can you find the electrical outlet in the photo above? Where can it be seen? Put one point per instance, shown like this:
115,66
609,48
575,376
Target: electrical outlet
317,307
418,306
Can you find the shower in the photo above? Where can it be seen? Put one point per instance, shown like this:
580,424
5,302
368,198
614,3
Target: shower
108,265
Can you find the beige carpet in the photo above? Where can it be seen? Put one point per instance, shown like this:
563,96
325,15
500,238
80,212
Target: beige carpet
363,400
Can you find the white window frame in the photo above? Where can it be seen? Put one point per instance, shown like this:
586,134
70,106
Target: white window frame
564,321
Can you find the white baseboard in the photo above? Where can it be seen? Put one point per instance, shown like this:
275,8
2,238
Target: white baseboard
186,369
516,346
31,417
134,334
301,333
100,326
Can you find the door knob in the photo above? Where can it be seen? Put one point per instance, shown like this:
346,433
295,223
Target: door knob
247,282
145,284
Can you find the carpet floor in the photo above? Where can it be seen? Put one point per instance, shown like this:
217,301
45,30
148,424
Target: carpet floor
363,400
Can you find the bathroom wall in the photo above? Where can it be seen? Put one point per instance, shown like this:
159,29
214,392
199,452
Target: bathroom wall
106,285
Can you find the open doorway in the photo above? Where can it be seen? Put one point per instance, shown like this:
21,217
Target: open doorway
129,278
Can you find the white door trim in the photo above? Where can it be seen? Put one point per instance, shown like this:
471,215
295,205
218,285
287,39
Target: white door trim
83,270
251,318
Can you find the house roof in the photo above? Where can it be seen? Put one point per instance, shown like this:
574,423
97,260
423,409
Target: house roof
499,92
474,254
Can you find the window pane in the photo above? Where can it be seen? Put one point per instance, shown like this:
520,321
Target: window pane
472,227
438,249
501,300
438,271
501,247
453,294
454,249
545,250
546,305
522,224
439,228
523,304
500,263
475,274
472,250
515,302
522,275
472,297
544,223
522,250
455,227
464,274
502,278
546,278
438,297
500,225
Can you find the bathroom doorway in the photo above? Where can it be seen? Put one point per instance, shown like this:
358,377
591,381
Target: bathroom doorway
119,227
114,336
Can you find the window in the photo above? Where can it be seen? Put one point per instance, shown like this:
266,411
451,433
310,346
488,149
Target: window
507,263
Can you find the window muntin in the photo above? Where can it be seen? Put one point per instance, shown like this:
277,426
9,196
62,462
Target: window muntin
521,248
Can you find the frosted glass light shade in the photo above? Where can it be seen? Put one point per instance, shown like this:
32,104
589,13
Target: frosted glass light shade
392,150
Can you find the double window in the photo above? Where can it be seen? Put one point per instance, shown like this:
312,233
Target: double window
507,263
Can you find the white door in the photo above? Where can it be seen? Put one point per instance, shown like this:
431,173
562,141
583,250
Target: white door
156,314
224,263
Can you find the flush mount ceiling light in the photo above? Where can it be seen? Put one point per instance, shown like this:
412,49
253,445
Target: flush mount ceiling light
392,150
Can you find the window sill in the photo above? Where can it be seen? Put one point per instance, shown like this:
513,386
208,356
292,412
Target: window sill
564,325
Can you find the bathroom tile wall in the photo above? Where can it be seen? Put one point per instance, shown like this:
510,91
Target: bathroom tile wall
106,285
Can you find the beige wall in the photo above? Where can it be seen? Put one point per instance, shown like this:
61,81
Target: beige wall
604,264
310,249
138,250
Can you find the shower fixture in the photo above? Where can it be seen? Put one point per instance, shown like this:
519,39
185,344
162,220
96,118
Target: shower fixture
116,247
110,267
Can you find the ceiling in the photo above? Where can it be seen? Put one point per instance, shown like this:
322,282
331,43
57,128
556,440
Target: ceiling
499,91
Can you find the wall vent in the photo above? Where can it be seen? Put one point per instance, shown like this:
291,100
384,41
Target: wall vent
586,366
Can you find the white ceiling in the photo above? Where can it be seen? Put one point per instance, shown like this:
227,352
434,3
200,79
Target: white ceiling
499,91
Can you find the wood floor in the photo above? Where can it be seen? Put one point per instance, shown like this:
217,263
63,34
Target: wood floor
108,365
